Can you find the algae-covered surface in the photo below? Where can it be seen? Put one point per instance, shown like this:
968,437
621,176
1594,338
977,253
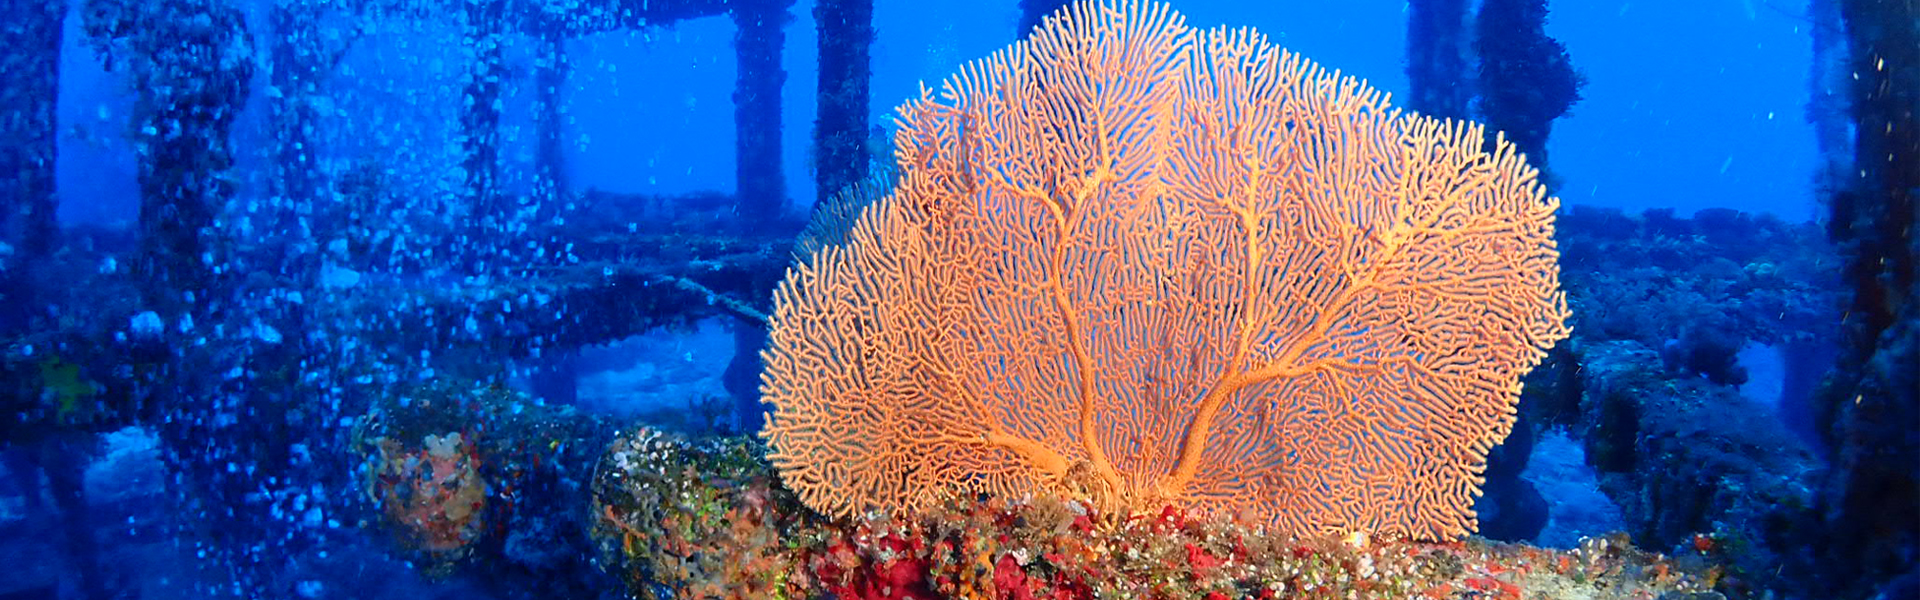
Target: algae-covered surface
710,519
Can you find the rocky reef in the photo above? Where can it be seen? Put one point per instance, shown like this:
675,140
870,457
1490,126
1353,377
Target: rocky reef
709,519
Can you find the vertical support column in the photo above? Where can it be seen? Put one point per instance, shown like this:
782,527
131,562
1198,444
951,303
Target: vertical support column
480,127
190,62
840,131
300,60
1871,403
187,60
758,41
1829,84
297,57
1526,78
1437,58
551,75
30,88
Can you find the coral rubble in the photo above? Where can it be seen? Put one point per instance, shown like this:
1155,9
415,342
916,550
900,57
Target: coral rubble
681,519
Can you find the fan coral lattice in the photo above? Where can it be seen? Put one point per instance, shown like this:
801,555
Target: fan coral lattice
1143,265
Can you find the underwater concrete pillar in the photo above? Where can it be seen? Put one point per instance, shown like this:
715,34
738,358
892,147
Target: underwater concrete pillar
1437,62
1870,406
479,130
189,61
30,89
1526,78
549,156
760,37
297,67
840,131
1830,83
299,62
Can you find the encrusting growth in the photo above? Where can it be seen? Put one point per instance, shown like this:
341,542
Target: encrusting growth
1142,265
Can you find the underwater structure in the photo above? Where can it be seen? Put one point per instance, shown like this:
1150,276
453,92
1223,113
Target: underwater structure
1127,309
1873,396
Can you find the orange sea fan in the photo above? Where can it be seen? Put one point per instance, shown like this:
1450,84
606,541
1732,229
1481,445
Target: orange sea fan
1143,265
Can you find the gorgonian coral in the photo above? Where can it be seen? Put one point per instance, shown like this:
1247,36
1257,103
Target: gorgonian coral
1144,265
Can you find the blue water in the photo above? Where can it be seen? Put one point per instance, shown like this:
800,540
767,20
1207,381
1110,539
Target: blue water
246,474
1722,127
